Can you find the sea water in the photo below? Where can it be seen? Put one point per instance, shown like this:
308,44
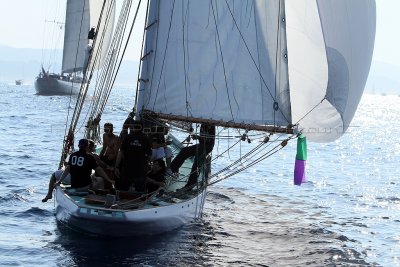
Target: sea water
346,214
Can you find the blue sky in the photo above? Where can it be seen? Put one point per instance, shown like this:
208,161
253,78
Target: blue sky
23,25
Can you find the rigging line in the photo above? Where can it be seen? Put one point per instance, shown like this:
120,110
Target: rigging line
257,149
91,65
252,58
232,164
244,158
258,58
115,72
126,44
265,156
244,168
97,92
113,55
111,78
165,53
99,87
84,87
222,58
107,73
141,55
76,56
102,88
113,58
184,53
229,148
276,54
77,106
153,67
99,52
235,162
311,110
261,158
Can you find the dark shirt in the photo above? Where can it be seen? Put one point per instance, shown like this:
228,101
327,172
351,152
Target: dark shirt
128,124
81,165
207,135
159,138
136,148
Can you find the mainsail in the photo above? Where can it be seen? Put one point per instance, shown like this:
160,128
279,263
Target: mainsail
258,62
206,62
81,15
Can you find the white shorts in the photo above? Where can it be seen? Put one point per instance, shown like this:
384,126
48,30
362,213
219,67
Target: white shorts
157,153
168,152
67,179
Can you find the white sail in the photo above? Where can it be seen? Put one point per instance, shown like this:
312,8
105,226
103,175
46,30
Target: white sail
105,29
259,62
216,60
81,15
330,44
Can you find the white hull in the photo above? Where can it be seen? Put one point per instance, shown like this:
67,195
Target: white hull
54,86
114,222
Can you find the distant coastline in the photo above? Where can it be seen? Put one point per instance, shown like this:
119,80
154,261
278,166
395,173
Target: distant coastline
25,64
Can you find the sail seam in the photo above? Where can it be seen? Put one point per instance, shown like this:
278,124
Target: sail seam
222,59
252,58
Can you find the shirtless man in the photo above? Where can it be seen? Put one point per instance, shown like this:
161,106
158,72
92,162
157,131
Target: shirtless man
109,152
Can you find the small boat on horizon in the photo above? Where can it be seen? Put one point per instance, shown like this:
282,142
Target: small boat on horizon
18,82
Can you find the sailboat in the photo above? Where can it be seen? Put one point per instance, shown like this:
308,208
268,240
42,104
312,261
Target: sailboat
286,70
80,21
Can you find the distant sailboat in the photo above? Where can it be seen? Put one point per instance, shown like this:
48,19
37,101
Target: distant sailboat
18,82
81,16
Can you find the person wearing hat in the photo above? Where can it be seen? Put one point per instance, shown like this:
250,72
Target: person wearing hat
80,166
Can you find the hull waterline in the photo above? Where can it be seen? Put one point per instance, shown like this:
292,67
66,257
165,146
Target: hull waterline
53,86
124,223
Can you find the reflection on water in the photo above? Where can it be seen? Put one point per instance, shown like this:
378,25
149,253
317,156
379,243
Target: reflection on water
267,232
177,248
347,214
